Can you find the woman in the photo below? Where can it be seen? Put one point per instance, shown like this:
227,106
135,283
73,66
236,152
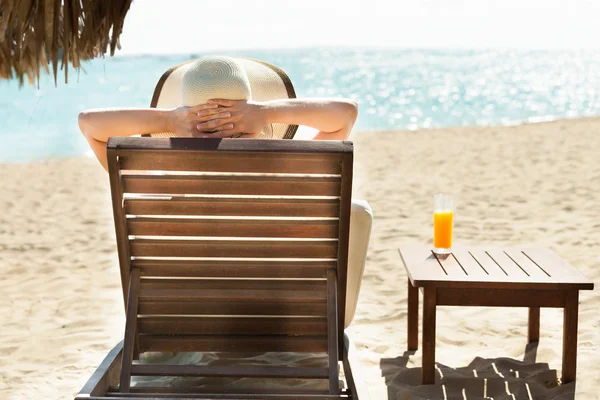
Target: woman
220,97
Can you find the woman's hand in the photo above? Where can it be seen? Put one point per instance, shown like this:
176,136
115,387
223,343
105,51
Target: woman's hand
334,118
199,121
247,119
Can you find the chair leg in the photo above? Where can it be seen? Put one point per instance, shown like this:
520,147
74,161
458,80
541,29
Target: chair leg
533,331
569,364
130,330
428,366
332,332
413,317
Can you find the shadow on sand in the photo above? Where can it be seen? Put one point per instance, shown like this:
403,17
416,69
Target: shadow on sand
497,378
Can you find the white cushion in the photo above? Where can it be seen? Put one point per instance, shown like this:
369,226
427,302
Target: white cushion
361,221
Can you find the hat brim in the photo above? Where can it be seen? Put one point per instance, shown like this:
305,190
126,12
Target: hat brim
267,82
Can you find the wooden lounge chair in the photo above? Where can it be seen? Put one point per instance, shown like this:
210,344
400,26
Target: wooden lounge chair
231,246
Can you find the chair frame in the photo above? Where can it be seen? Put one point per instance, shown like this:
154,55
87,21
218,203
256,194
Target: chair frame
113,377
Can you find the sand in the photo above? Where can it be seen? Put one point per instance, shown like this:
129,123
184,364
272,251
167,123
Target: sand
534,184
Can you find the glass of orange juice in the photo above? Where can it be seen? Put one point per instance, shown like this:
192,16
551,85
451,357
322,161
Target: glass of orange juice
443,220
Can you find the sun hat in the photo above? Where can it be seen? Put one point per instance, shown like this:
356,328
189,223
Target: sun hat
219,77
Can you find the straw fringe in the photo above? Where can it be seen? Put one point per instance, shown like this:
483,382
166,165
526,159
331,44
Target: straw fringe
37,33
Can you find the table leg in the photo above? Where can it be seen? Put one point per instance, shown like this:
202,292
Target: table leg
569,364
533,332
428,366
413,317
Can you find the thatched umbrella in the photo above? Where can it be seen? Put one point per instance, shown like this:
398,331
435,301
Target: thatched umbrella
36,33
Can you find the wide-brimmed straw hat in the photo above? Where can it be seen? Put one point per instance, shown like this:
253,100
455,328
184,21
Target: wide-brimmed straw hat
218,77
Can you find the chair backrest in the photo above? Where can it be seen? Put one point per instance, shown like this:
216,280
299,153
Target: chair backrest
233,240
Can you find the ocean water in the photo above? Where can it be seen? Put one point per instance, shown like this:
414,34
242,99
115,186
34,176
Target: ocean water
395,89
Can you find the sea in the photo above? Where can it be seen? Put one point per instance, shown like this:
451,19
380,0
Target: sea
396,89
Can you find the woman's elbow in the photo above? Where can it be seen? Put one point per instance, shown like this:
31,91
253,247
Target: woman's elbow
351,110
84,122
351,113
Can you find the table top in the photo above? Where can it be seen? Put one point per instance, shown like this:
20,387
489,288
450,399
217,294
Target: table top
492,268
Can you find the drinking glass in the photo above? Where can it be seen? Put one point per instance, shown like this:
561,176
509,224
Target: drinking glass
443,219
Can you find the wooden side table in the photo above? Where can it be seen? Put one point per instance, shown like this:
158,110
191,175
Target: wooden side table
492,277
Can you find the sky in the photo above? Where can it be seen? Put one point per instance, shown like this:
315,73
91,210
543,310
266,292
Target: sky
187,26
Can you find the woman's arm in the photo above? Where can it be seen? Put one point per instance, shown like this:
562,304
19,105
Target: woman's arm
98,125
334,118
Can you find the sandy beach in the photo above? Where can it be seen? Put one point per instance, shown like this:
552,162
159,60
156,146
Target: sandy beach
533,184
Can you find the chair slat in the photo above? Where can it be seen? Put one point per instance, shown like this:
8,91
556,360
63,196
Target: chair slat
233,227
233,248
228,147
210,396
257,371
235,284
182,307
232,326
231,185
301,296
207,391
221,343
233,268
261,207
209,161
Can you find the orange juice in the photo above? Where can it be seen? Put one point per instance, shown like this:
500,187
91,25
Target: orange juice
442,229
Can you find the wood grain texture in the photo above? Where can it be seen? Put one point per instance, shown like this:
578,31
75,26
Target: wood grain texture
213,312
496,277
225,295
292,285
233,268
300,396
210,227
533,270
428,340
499,297
240,162
231,185
513,271
344,239
332,329
491,268
533,325
234,248
106,375
223,146
116,189
191,391
472,268
569,353
412,331
232,326
220,307
557,267
450,265
482,258
215,206
130,330
256,371
234,343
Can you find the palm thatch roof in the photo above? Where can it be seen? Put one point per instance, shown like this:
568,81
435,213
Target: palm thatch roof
37,33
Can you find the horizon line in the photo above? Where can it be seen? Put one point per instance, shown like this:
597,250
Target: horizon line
124,53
